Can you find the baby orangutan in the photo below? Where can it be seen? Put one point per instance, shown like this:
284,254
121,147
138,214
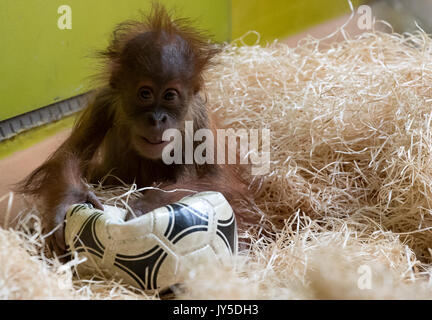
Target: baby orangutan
154,76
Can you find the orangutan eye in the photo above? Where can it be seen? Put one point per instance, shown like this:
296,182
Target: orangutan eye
170,95
146,94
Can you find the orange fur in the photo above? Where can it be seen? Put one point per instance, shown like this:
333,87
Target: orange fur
102,138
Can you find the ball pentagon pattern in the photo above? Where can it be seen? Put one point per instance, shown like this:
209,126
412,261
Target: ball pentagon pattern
153,251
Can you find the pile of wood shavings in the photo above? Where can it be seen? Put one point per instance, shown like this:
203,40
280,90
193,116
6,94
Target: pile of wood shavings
349,186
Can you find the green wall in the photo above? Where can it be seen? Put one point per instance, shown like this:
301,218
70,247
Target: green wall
41,64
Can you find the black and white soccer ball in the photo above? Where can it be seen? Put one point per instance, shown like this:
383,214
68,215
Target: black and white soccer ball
155,250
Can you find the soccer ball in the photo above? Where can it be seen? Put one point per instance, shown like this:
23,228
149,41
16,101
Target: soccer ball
155,250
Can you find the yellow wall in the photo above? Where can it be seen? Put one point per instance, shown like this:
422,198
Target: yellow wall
281,18
41,64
